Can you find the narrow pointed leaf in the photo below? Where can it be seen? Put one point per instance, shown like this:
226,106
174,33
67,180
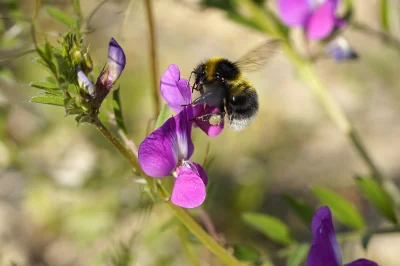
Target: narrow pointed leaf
61,16
384,14
377,197
51,100
245,253
298,255
47,87
342,209
304,211
270,226
164,114
118,110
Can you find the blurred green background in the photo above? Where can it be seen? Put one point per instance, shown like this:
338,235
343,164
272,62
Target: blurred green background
68,198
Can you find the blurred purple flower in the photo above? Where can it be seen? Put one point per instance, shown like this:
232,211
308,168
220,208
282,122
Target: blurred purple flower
340,50
317,17
167,151
177,92
325,250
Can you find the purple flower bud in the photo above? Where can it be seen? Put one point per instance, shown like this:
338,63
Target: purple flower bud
340,50
85,81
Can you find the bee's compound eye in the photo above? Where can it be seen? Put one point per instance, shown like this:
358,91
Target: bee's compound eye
215,119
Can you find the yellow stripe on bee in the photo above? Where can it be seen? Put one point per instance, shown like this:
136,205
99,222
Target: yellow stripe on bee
239,85
210,67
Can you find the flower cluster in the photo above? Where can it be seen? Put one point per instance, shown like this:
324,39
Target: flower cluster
168,149
325,249
320,21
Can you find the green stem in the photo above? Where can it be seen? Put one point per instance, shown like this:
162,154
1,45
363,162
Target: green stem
326,100
180,213
187,248
153,56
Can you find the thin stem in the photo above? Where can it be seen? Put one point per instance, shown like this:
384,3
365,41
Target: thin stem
153,55
387,37
328,103
180,213
208,224
125,19
183,236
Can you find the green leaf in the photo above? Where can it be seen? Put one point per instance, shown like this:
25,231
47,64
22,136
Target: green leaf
298,255
162,116
61,16
377,197
47,87
270,226
304,211
384,14
118,111
51,100
342,209
245,253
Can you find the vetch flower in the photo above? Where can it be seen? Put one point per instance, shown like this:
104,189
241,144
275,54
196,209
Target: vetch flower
340,50
325,249
317,17
177,93
167,151
108,76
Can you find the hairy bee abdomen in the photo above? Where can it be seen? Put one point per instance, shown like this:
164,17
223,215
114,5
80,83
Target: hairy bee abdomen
242,107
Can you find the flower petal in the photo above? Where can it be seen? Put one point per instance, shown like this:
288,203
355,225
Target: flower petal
116,61
294,12
175,91
362,262
158,154
85,81
325,250
340,50
322,22
200,172
205,125
189,189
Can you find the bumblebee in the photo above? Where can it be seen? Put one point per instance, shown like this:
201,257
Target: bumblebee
222,84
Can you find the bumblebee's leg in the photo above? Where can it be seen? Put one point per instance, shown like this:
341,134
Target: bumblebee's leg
214,119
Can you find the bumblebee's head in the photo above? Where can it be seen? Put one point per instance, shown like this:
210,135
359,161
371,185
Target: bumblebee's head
200,72
242,109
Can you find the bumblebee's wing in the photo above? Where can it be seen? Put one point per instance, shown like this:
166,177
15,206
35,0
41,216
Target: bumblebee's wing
258,57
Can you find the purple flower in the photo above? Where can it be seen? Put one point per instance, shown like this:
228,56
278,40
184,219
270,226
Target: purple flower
167,151
325,250
340,50
317,17
177,93
108,76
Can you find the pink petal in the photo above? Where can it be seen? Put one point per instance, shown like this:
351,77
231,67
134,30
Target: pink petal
200,172
210,130
294,12
159,153
189,190
175,91
322,21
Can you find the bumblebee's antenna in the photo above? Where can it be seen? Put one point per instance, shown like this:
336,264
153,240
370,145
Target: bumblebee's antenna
188,84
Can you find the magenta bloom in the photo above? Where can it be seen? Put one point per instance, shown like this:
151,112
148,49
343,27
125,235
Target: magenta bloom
325,250
178,92
108,76
167,151
317,17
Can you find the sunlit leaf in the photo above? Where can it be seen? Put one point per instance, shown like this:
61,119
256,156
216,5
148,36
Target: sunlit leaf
342,209
304,211
47,87
270,226
298,255
61,16
118,110
245,253
51,100
377,197
163,116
